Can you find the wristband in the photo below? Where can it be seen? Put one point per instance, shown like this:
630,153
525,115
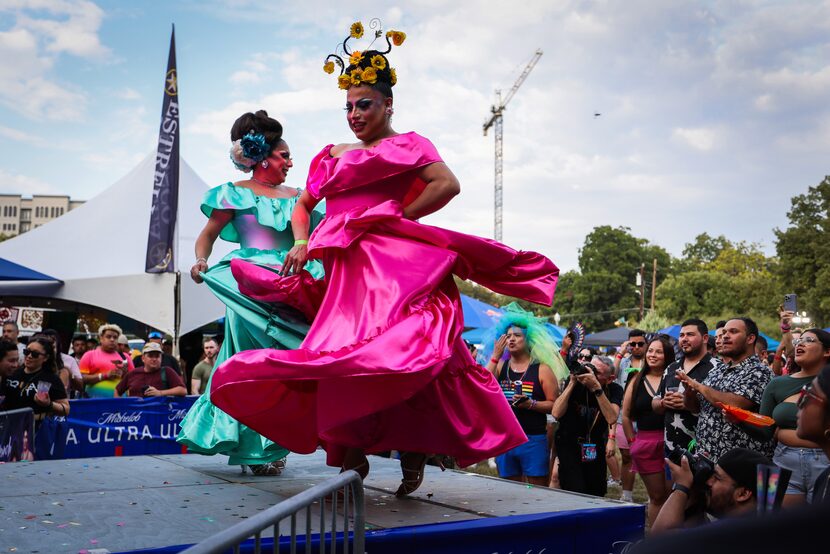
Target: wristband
532,403
619,356
682,488
494,360
785,329
298,242
201,260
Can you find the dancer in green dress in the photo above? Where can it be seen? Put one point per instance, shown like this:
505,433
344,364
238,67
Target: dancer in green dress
256,213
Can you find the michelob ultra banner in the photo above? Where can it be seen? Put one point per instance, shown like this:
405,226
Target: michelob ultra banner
124,426
165,206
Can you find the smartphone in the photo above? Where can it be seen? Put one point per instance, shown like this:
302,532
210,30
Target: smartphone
791,302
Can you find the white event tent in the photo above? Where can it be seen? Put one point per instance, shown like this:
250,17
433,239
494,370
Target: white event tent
96,253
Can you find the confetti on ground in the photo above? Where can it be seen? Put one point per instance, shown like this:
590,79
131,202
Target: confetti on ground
30,517
47,521
93,541
62,525
120,523
208,519
74,523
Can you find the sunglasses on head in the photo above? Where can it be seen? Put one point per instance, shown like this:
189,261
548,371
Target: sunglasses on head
33,353
806,395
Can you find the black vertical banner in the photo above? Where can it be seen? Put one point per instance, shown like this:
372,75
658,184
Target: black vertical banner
166,176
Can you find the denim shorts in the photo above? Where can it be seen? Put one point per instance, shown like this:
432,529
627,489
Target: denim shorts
530,458
806,465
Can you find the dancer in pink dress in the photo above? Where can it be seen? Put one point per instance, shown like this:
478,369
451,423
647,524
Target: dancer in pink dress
383,366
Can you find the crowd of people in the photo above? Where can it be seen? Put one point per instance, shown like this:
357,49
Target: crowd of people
669,411
371,358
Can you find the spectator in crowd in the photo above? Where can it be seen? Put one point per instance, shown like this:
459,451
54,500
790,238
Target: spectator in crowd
679,423
628,361
151,379
104,366
9,362
741,383
647,446
814,426
36,384
167,359
804,458
589,403
91,344
586,355
532,351
10,333
730,490
78,347
783,363
711,346
719,331
68,368
762,350
202,370
124,345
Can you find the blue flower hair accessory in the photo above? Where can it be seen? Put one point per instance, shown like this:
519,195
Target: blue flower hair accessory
249,151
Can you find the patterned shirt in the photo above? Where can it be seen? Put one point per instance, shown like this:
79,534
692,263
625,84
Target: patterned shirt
680,424
715,435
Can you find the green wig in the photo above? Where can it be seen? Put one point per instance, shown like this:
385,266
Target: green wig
543,347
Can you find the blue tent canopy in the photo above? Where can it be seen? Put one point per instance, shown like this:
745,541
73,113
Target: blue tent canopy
478,314
10,271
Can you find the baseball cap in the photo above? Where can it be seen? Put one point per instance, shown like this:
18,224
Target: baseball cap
154,335
741,464
122,339
151,347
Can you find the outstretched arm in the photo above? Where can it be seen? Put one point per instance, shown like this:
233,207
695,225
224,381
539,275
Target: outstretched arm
441,187
204,242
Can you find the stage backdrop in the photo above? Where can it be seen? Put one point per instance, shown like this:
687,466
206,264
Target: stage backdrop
122,426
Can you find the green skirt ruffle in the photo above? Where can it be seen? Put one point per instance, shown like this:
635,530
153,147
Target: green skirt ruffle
249,325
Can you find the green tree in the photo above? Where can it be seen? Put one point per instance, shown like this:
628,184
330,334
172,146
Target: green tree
804,250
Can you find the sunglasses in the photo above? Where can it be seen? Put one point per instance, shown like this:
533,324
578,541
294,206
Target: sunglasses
637,344
33,353
805,340
583,357
806,395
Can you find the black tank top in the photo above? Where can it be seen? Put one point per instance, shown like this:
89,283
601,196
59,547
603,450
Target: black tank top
641,411
532,422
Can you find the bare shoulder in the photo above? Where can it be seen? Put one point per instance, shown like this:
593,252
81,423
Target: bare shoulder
338,149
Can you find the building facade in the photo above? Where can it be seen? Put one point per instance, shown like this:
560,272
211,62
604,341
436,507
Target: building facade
19,214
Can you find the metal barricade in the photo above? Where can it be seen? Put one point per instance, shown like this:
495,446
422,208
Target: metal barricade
346,489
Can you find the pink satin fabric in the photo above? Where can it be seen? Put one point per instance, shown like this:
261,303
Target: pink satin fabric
383,366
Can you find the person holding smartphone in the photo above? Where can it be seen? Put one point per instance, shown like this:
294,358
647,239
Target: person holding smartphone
103,367
531,387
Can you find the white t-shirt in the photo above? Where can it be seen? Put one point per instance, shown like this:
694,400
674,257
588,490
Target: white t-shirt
71,364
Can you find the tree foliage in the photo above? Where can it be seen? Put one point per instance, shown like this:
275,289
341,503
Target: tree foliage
804,251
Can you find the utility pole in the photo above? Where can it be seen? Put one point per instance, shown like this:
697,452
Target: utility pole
496,120
642,290
653,283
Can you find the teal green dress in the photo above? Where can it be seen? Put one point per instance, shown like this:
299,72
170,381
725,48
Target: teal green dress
262,227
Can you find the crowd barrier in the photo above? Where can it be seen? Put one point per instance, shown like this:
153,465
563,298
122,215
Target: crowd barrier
17,432
114,427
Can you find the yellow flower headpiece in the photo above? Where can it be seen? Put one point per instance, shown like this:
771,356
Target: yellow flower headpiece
366,66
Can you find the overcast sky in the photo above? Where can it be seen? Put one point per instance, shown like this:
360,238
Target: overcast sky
713,114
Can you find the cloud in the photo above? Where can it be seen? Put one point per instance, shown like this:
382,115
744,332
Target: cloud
128,93
26,184
700,138
41,31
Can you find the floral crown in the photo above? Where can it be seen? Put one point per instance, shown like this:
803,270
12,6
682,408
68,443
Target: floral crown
366,66
249,151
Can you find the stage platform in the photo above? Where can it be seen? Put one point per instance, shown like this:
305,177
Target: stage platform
122,504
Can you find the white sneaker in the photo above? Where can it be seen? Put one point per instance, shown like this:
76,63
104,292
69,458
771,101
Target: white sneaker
613,483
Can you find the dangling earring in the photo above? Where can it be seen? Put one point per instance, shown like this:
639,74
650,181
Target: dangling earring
264,164
389,111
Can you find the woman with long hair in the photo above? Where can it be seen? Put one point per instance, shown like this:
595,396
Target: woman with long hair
36,384
813,425
804,457
384,366
647,445
256,213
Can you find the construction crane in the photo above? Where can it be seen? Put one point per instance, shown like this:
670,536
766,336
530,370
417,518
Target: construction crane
495,120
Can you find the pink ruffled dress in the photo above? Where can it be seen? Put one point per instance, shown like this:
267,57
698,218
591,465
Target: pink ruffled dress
383,365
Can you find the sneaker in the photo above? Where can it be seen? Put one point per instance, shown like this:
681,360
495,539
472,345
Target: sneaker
613,483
